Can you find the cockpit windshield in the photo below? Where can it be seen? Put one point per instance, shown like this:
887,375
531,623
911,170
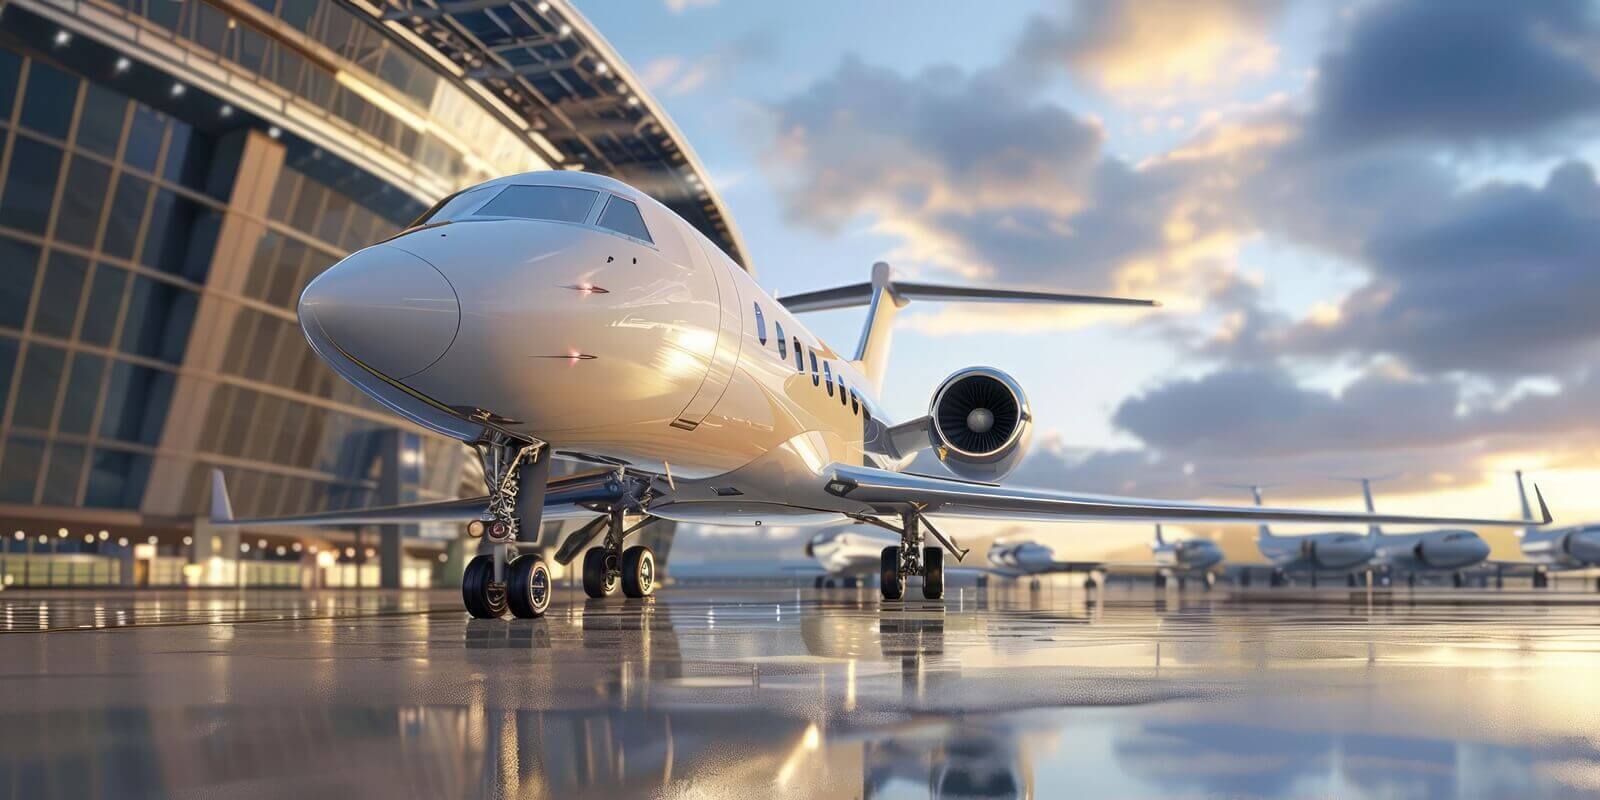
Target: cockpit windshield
554,203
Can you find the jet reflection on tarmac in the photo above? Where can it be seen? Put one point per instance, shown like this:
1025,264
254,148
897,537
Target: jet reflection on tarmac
779,693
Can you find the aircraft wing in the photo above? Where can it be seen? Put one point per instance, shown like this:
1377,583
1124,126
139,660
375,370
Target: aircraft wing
894,492
565,498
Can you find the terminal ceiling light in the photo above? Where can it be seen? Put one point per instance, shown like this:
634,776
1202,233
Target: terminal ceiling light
122,542
350,552
88,538
188,540
151,540
443,557
19,535
296,547
226,111
261,543
104,535
123,64
177,90
62,532
543,7
371,552
63,38
633,100
244,547
281,550
565,29
43,538
275,132
602,68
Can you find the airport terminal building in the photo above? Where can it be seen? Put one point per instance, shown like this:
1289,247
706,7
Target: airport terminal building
173,173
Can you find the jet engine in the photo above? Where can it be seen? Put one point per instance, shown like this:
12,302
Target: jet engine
1582,545
1451,549
1336,552
980,423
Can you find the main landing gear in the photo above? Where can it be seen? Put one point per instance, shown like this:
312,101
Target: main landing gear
910,557
610,566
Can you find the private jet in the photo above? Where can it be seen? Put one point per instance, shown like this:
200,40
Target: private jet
1425,552
1312,553
568,315
1180,558
1556,550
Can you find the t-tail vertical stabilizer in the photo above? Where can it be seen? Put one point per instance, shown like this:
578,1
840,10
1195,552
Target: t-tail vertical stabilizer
884,297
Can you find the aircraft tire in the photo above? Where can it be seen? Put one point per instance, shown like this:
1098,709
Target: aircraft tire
933,573
638,572
479,593
892,583
528,587
598,582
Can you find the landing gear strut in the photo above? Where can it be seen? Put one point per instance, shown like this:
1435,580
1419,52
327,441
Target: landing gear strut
609,565
910,557
504,579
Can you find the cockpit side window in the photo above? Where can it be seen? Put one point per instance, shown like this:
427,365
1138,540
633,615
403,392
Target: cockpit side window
623,217
554,203
454,206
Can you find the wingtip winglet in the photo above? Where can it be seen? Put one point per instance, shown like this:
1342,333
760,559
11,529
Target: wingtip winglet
221,508
1544,510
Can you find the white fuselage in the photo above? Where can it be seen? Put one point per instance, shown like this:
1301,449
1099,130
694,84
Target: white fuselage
611,349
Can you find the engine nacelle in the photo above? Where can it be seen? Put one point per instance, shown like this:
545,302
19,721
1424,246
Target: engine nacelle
1337,552
980,423
1451,549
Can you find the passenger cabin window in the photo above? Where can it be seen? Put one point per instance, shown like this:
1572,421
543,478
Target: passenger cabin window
799,356
554,203
842,400
761,326
816,377
623,217
828,376
855,402
783,346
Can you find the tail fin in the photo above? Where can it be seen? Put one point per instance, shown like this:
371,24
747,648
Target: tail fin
884,297
221,508
1527,510
1373,530
1264,531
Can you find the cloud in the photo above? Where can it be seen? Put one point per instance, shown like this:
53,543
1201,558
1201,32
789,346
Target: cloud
1152,48
1459,71
673,76
1503,281
978,177
680,6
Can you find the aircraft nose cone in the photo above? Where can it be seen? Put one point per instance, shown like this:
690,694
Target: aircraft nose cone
1478,548
385,308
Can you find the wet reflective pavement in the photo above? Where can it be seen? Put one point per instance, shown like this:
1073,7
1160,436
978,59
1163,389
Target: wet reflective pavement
710,693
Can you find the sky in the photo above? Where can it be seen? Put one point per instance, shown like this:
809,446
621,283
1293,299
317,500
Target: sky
1371,224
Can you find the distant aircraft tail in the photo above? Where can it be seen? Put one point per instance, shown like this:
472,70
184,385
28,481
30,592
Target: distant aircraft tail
1160,541
1527,510
884,297
1373,530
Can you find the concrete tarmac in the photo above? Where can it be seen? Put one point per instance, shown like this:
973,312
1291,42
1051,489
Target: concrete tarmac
778,692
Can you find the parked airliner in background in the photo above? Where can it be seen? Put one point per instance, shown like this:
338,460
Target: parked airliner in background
850,553
568,315
1312,553
1425,552
1180,558
1556,549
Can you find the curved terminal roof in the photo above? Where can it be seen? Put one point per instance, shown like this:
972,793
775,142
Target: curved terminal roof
544,67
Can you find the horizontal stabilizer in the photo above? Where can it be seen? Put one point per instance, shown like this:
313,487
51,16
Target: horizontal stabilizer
860,294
